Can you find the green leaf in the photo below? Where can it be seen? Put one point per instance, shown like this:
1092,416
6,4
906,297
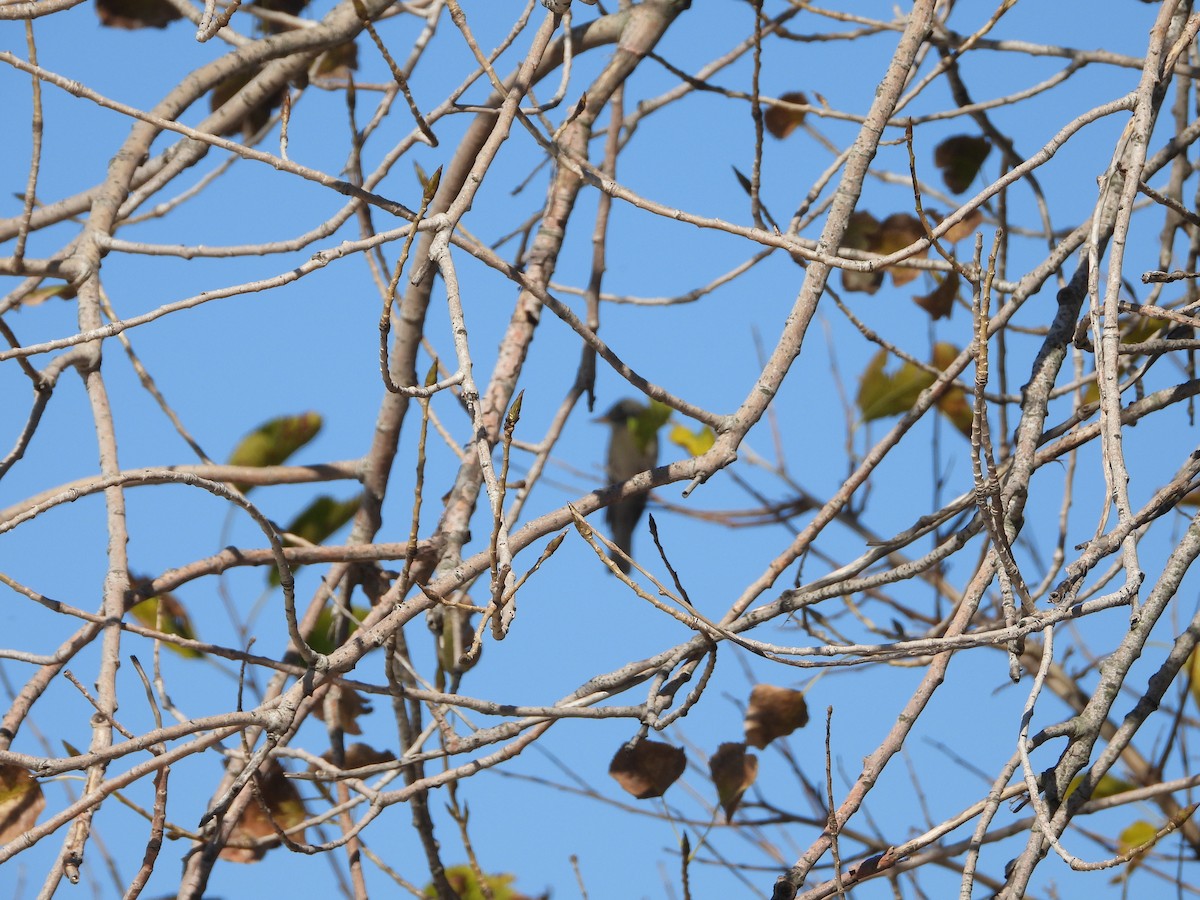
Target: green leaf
175,621
321,637
466,884
319,520
273,442
882,393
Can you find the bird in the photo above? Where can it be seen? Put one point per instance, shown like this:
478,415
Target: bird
630,451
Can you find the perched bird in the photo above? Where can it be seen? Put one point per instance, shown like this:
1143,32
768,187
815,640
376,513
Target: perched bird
630,450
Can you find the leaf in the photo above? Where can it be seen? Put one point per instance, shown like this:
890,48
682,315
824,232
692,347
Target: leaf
646,768
960,158
277,800
257,116
773,712
1193,661
465,883
321,637
1108,786
964,228
742,180
955,405
862,231
21,801
337,62
782,120
288,7
733,770
939,302
318,521
695,443
42,294
882,394
359,755
132,14
1136,840
323,517
1141,834
1142,328
896,232
273,442
349,705
865,232
175,619
453,634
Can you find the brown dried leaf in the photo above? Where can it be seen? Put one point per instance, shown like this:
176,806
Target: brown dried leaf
337,62
258,116
349,705
21,801
42,294
862,233
964,228
282,805
781,120
132,14
939,302
896,232
646,769
773,712
960,158
359,755
954,404
733,770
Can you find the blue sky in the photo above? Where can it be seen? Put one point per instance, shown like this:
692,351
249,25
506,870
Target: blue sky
227,366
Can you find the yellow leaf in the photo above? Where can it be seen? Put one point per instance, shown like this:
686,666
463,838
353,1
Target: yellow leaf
1140,834
1109,786
21,801
694,442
